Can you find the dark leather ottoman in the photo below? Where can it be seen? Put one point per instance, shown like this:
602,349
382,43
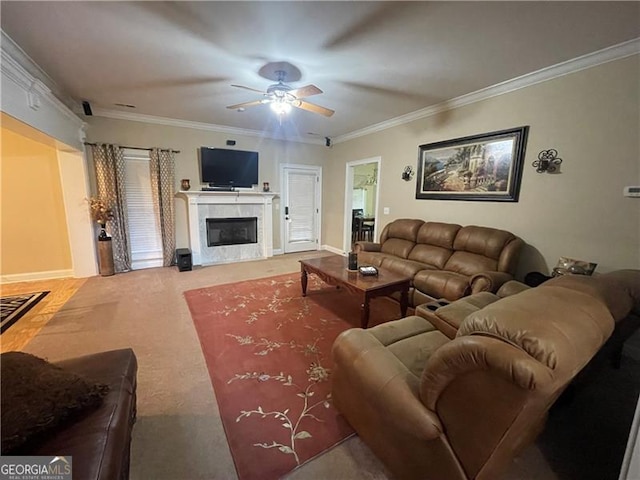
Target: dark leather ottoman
100,440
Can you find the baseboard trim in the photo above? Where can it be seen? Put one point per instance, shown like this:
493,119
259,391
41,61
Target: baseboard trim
277,251
31,276
333,249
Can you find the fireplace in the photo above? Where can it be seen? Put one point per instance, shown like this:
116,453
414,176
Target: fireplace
232,231
223,205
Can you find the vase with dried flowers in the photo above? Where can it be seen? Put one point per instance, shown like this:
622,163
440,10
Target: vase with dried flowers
100,213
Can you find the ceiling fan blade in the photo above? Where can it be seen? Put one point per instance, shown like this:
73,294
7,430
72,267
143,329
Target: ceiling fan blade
246,104
313,108
249,88
305,91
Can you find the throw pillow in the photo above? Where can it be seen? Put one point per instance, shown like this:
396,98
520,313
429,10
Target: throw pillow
38,396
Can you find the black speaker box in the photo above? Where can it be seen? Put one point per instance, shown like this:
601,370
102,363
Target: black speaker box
86,106
183,257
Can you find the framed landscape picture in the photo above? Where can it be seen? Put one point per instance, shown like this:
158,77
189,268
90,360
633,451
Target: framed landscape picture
484,167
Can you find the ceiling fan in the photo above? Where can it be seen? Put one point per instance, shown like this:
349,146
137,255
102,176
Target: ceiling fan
281,97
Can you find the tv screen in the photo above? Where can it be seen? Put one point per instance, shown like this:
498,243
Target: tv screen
220,167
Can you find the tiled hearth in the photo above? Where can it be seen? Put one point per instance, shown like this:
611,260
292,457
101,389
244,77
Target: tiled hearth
207,205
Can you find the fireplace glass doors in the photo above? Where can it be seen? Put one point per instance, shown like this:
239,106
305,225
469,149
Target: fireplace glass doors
232,231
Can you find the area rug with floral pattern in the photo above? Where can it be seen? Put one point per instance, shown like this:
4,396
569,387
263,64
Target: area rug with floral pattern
268,352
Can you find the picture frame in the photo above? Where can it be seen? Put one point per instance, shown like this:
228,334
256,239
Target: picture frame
485,167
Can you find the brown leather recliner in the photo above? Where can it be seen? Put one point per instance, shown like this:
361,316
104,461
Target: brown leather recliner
435,408
444,260
619,290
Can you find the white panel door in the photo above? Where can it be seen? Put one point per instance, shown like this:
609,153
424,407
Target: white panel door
301,200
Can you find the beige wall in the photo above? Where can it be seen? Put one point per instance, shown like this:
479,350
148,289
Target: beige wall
34,235
188,141
590,117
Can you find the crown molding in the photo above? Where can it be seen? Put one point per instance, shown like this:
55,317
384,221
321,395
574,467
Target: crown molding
32,70
12,66
19,57
210,127
616,52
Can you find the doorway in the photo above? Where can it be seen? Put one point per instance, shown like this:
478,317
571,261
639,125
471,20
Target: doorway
301,207
362,189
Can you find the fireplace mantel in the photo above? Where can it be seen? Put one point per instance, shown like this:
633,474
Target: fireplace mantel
200,201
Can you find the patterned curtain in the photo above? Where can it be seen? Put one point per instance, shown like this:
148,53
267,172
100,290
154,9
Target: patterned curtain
109,165
163,189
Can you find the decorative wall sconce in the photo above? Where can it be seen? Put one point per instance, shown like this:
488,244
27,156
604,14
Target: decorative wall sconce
408,173
547,161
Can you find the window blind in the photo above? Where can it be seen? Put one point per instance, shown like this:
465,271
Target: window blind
144,232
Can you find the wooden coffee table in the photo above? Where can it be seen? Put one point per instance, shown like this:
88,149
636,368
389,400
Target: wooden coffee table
333,270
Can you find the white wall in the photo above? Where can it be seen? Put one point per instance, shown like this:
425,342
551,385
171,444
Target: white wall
74,179
590,117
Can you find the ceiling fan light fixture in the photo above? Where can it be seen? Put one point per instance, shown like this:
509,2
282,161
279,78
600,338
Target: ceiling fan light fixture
281,107
282,97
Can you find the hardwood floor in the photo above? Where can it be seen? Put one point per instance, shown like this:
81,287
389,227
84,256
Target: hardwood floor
21,332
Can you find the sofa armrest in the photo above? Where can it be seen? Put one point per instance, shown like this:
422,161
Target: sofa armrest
489,281
99,440
367,247
366,370
469,355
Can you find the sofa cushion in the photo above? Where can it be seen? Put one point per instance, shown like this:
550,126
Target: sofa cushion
434,243
455,313
398,247
402,266
442,284
469,264
37,397
404,228
372,258
414,351
488,242
430,255
478,249
438,234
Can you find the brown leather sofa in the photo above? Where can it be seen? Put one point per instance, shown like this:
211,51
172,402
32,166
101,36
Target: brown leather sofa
431,407
445,260
99,441
625,309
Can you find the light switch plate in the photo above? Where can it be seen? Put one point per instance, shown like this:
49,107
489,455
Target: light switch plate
385,210
633,191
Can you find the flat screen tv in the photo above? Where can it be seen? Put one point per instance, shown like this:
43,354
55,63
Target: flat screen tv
220,167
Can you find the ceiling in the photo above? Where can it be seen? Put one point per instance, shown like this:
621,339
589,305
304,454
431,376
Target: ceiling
375,61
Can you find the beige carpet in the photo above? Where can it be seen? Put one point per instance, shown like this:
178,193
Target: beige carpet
179,434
